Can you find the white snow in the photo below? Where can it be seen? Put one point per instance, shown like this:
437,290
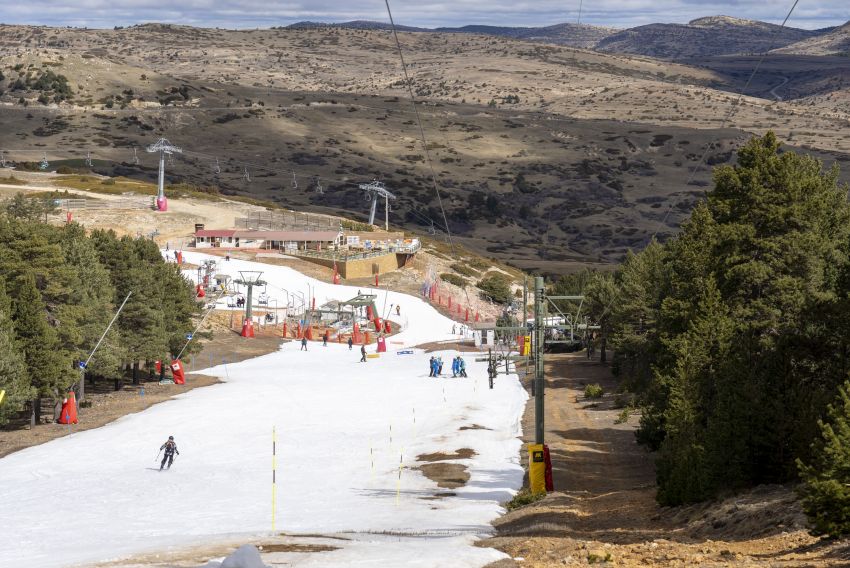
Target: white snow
343,429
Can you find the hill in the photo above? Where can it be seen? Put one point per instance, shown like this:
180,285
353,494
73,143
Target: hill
546,156
716,35
835,42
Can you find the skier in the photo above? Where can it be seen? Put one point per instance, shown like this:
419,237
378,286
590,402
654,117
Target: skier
303,344
454,330
363,353
170,448
432,364
398,310
325,339
350,343
439,366
455,367
461,365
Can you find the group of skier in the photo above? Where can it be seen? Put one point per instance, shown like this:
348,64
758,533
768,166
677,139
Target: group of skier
458,367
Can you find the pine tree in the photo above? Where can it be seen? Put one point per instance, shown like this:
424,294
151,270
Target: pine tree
13,372
826,489
48,367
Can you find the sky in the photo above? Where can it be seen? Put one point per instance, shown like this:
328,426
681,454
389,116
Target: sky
810,14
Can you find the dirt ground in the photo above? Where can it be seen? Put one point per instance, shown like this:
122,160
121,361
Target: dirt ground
109,404
604,509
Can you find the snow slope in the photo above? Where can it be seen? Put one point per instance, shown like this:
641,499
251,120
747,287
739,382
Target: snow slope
97,495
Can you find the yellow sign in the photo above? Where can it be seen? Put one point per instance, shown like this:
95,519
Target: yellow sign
526,345
536,469
2,394
373,355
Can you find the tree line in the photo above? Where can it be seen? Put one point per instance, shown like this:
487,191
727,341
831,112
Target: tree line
735,335
60,288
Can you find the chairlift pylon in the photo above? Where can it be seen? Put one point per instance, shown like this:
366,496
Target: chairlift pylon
44,163
135,157
294,181
217,167
2,159
318,185
246,175
88,159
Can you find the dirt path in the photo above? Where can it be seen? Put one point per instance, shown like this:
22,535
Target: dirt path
107,404
604,509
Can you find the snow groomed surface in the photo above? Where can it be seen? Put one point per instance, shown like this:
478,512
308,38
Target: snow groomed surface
97,495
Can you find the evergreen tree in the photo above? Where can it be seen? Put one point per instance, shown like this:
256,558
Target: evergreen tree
826,489
13,372
49,369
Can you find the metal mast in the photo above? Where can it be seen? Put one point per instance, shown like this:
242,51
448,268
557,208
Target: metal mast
163,146
375,189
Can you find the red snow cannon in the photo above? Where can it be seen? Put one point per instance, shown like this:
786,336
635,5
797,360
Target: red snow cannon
68,414
247,328
177,372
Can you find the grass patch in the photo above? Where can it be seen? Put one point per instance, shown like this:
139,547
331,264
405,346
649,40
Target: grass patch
523,498
12,180
464,269
593,391
623,417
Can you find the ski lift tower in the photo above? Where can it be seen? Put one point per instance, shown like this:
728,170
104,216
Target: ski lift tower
249,279
163,146
374,190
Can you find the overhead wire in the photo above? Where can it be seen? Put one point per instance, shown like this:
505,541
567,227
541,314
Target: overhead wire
419,122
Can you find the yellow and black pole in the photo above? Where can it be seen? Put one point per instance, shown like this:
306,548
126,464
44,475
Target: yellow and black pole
536,459
274,477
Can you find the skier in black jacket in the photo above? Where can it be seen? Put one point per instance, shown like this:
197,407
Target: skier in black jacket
170,448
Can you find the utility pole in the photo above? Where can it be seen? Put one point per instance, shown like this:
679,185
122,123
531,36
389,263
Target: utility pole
164,147
250,278
539,338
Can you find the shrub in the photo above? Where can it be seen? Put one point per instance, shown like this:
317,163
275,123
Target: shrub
522,498
454,279
496,288
593,391
464,269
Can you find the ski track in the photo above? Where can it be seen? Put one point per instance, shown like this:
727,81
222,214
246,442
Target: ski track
96,496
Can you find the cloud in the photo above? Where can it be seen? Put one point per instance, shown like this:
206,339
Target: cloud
428,13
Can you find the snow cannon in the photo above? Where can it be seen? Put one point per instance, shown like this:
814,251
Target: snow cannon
336,277
68,415
367,338
370,315
178,256
247,328
299,332
377,322
284,330
476,317
356,336
157,365
382,345
177,370
376,281
309,333
387,327
200,291
162,204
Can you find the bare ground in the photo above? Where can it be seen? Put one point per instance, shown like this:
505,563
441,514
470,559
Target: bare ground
109,404
604,508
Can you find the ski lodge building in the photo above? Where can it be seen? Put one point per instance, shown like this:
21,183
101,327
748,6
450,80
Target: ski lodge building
284,241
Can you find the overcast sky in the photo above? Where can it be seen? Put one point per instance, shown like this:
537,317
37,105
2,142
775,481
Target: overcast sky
427,13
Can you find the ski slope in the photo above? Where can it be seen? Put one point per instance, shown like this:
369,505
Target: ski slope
348,434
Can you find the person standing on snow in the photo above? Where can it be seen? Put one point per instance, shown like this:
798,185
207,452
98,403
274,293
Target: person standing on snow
303,344
461,366
325,339
432,366
439,366
170,448
397,310
362,353
350,343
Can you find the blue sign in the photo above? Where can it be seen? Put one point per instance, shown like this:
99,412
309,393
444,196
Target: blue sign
189,336
82,364
404,352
